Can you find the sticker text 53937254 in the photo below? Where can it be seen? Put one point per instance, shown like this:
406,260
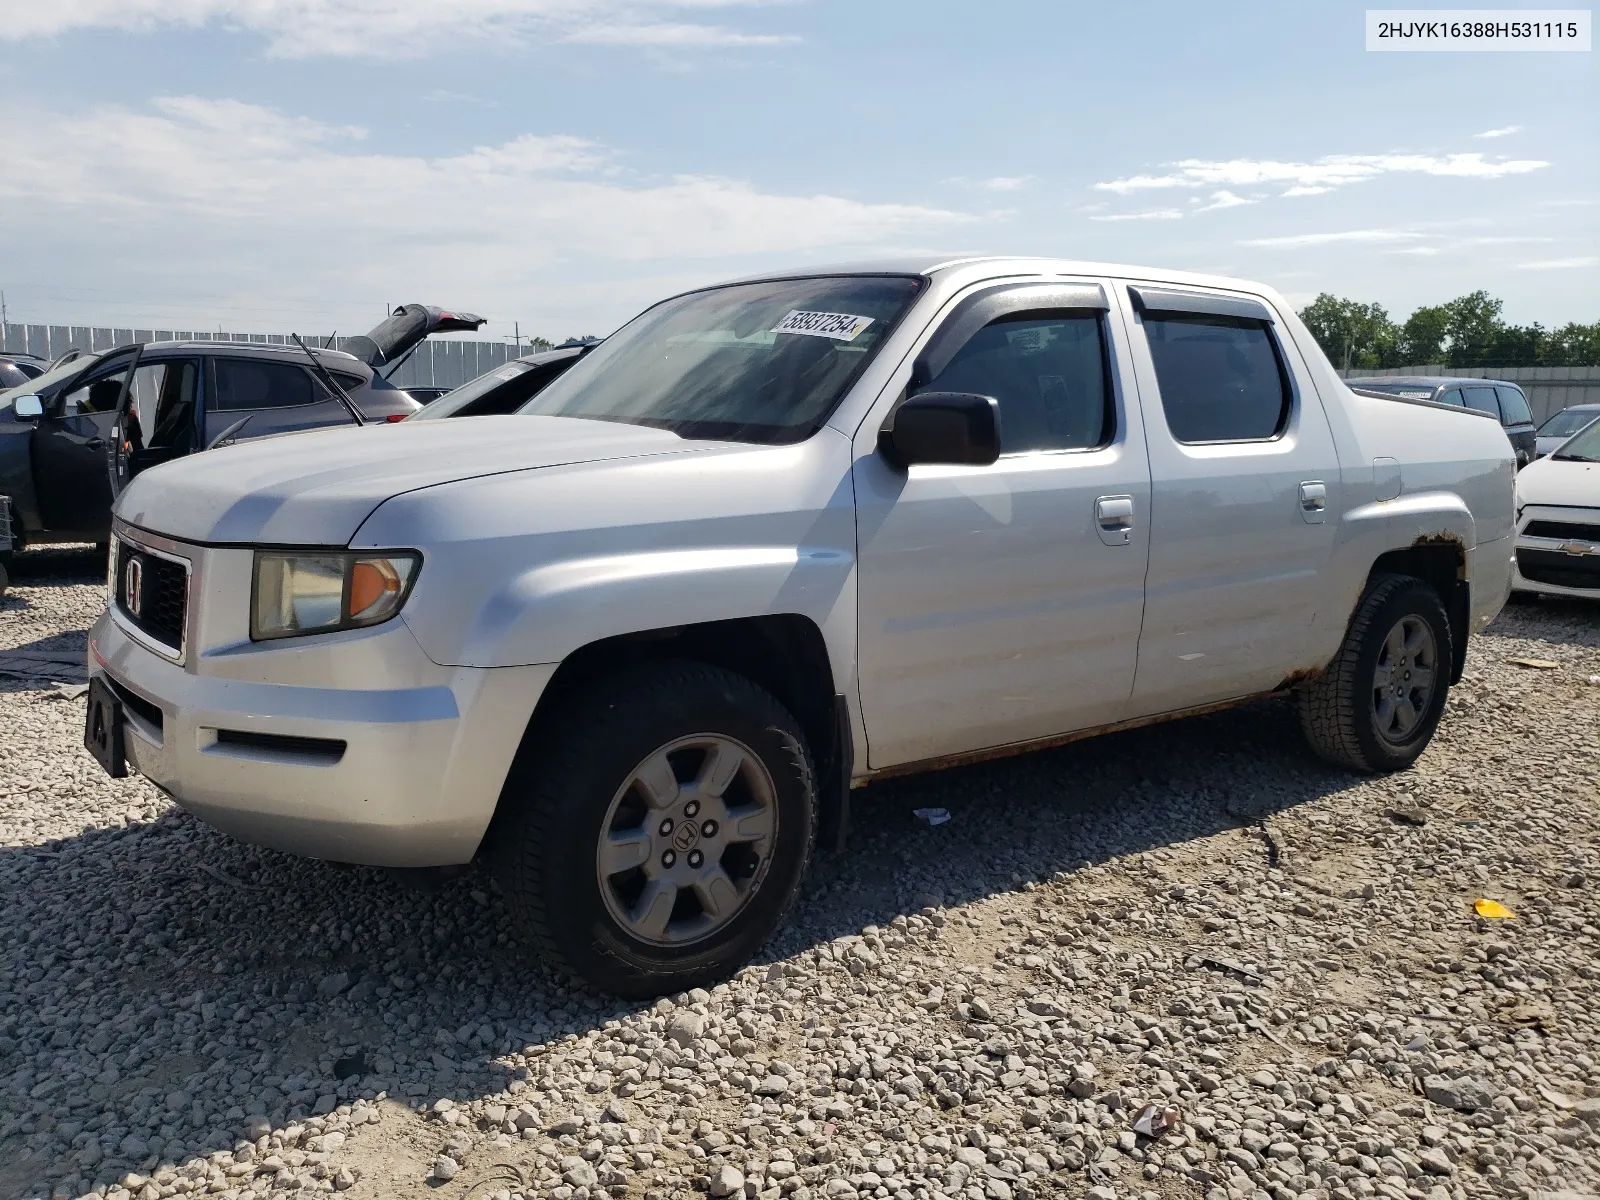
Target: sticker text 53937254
841,327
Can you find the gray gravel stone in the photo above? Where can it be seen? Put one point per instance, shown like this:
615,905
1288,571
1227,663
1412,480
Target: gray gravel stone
1107,932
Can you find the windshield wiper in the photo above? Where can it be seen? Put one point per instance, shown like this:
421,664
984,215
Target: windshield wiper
1574,458
329,382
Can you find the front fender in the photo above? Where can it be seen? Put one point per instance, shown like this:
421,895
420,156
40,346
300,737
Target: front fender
543,614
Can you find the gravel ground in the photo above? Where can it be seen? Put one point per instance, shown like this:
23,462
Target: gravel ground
1198,916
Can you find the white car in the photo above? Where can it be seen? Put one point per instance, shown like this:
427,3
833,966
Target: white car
1558,520
770,541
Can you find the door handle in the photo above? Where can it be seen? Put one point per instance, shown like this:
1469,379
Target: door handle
1113,518
95,443
1313,501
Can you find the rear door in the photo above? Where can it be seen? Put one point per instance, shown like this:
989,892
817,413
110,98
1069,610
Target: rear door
1245,499
268,396
1517,418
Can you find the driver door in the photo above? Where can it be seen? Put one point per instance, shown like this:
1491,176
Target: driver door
70,447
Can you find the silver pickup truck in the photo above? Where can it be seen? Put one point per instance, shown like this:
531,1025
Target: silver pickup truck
635,644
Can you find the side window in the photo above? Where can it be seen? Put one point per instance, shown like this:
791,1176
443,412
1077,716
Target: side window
1482,399
1515,406
1453,396
161,408
1220,378
248,384
1048,372
97,396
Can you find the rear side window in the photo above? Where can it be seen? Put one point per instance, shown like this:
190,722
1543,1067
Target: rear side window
1515,406
1453,396
1048,373
1482,399
246,384
1221,379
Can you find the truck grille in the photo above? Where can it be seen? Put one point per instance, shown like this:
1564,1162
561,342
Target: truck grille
152,594
1559,569
1563,530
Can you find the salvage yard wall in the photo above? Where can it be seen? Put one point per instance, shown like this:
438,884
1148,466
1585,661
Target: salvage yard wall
1549,389
438,362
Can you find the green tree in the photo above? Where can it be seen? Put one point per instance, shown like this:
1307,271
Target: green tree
1517,346
1472,322
1350,333
1422,336
1572,345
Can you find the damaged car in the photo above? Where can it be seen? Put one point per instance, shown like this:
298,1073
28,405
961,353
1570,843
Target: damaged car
73,437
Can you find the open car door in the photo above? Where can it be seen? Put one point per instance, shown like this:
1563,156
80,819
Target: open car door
70,442
158,417
402,330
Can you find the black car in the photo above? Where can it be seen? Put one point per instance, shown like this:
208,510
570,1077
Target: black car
507,388
16,369
1501,400
71,438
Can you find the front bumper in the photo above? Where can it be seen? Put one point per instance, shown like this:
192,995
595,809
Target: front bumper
352,747
1561,556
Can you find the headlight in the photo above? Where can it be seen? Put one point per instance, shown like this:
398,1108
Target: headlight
296,594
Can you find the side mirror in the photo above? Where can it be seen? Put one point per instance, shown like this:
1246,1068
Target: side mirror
28,408
942,427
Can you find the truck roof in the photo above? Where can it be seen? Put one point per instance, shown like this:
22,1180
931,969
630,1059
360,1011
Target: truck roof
1000,265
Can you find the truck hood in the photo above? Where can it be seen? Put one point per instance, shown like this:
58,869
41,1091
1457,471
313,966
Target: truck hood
1558,482
316,488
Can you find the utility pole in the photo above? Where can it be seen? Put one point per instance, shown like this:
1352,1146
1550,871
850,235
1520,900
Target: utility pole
517,340
2,310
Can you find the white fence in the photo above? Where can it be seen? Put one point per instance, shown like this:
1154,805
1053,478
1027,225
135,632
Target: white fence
438,362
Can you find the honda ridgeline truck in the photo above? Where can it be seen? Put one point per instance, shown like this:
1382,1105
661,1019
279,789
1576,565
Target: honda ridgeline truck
635,644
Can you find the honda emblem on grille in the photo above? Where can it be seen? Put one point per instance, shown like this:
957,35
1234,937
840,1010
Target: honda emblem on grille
133,584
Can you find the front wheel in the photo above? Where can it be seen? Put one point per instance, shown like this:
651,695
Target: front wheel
1377,705
656,834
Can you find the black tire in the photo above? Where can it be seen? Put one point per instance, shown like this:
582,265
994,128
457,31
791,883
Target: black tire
1339,712
566,781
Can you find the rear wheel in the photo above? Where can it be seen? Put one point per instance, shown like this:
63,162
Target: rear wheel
656,834
1377,705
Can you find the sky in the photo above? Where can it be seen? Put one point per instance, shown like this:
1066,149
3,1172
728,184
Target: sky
557,165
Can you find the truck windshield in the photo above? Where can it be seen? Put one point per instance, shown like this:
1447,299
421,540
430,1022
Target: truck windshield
752,362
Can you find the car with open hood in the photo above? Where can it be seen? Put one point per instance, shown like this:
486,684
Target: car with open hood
74,436
1558,519
634,645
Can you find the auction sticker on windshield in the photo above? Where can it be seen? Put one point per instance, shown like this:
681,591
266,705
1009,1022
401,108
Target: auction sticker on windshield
841,327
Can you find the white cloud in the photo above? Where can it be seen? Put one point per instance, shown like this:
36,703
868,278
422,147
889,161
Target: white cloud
1155,214
396,28
189,196
1004,183
1327,172
1224,199
1503,131
1302,190
1560,264
1298,240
